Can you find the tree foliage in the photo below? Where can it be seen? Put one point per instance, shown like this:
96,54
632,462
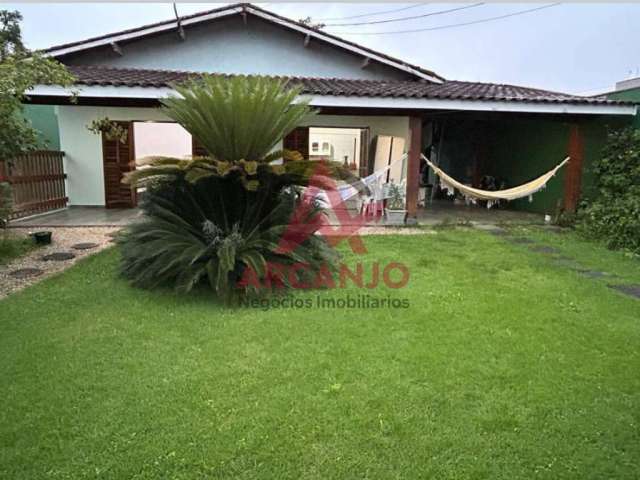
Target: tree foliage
613,214
20,71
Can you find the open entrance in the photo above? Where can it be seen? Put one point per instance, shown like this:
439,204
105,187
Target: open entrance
494,151
349,146
143,139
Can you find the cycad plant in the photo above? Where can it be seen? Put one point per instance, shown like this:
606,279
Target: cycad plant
209,219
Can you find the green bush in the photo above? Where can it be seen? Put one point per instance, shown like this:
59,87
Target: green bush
6,203
211,219
13,246
613,214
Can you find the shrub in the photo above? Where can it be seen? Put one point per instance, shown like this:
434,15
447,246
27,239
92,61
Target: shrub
613,214
210,219
6,203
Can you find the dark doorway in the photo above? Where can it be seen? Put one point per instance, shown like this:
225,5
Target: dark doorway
118,158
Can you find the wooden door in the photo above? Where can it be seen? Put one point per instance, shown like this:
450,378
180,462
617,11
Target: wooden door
298,140
364,168
118,158
197,149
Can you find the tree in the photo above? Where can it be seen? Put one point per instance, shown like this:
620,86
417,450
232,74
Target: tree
20,71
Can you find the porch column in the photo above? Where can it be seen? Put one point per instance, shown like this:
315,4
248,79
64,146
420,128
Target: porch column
573,172
413,168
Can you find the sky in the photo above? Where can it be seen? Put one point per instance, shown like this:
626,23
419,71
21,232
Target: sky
581,48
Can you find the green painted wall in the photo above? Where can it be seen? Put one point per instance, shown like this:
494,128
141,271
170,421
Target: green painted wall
44,120
522,150
631,95
519,149
529,148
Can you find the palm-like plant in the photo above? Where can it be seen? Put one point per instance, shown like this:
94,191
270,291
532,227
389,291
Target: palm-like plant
239,121
213,217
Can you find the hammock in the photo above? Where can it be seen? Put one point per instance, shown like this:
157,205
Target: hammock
492,197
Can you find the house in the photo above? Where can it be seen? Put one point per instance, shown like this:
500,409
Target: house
473,129
627,90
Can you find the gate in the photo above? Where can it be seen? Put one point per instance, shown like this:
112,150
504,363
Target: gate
37,180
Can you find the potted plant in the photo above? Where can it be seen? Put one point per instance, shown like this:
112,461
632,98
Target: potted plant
395,211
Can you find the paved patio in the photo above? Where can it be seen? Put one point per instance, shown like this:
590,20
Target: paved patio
442,211
434,214
80,217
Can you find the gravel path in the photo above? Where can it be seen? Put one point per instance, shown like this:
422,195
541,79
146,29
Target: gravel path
62,241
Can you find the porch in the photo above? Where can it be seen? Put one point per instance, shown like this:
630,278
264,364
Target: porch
79,217
435,213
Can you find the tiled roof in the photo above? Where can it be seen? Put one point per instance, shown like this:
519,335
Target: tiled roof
449,90
245,8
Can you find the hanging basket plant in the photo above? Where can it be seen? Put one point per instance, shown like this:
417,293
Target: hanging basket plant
110,129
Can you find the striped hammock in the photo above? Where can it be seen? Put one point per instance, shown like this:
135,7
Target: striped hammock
492,197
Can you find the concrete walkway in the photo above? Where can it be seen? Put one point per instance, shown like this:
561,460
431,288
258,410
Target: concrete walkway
80,217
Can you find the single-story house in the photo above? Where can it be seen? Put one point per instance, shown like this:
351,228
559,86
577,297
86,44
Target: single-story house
473,129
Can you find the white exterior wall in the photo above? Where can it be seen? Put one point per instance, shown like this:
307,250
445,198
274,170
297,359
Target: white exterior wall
83,149
164,139
229,46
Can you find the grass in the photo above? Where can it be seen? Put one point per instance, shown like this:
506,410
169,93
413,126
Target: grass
12,246
504,366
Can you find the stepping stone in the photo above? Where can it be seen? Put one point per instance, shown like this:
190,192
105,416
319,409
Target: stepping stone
631,290
520,240
592,273
544,249
26,273
58,256
84,246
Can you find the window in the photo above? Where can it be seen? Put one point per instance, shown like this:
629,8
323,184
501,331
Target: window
314,147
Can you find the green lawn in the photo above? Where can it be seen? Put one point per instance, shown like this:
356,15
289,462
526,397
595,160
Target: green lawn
504,366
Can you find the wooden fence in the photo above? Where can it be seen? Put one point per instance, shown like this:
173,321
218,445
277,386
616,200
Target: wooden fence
37,180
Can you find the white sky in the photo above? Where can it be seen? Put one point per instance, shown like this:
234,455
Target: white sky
576,48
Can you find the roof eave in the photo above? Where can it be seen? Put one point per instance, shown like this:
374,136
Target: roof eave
235,10
371,102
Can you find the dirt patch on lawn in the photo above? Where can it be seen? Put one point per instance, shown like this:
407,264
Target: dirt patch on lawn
45,261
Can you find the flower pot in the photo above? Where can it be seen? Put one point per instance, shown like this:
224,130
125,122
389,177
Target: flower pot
395,217
42,238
